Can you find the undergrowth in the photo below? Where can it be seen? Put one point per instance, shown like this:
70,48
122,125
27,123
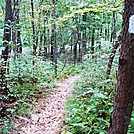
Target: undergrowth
26,84
90,105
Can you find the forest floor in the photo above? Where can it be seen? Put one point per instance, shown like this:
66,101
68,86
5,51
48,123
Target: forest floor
48,116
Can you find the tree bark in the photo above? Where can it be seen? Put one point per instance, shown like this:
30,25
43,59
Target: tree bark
16,31
92,41
112,55
79,44
5,53
75,42
75,53
93,37
44,43
7,30
124,95
33,28
113,33
84,34
54,36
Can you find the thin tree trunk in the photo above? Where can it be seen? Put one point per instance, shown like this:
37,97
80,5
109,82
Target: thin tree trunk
40,38
44,44
45,51
71,45
124,95
108,32
92,41
93,38
84,35
33,28
54,36
112,55
19,44
16,31
113,31
40,44
52,50
62,48
75,41
75,53
79,43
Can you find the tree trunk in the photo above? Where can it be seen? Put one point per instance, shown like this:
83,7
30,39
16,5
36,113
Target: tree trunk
113,33
108,32
54,36
124,95
79,43
71,45
19,44
62,47
33,28
45,51
84,34
5,52
92,42
75,53
16,31
7,30
93,37
44,43
75,41
40,44
111,58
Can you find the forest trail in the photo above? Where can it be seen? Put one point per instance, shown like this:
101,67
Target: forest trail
47,118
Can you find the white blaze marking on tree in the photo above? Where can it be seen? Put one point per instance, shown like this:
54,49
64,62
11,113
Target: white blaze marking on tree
131,25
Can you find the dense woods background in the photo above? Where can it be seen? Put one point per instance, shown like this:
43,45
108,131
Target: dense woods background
43,40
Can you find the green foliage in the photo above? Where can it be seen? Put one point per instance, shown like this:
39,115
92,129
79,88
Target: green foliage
88,112
89,108
23,68
67,71
7,127
26,83
27,80
131,126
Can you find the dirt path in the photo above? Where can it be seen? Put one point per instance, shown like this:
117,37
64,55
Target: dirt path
47,118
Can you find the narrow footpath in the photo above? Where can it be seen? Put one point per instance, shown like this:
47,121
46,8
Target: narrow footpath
47,118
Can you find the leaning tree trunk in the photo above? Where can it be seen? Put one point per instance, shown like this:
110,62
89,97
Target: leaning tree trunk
112,55
124,95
